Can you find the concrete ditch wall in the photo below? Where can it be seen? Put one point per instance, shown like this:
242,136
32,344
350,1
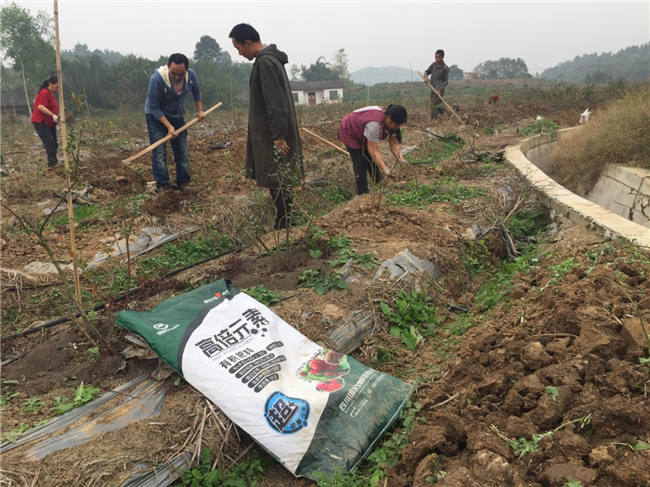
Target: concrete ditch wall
572,206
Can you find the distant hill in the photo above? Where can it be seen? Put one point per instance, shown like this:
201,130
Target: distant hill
631,63
385,74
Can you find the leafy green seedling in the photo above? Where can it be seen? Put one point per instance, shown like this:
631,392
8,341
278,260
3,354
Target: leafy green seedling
263,295
84,394
33,405
92,354
571,483
553,392
321,281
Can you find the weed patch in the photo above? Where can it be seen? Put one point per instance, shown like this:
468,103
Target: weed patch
321,281
263,295
409,313
416,195
539,126
244,474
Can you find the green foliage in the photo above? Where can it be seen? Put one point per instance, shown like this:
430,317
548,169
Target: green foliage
411,311
11,435
33,405
5,398
538,127
527,223
476,258
340,241
263,295
496,288
177,255
571,483
26,40
445,190
334,193
92,354
630,63
245,474
62,404
504,68
523,446
560,270
319,71
553,392
81,212
321,281
84,394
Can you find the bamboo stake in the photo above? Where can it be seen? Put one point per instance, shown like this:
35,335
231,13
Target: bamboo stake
169,136
338,148
64,146
426,80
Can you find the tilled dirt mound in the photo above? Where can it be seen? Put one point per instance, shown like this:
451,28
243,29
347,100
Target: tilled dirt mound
559,357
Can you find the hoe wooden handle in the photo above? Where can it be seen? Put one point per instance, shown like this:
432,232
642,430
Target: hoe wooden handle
441,98
169,136
338,148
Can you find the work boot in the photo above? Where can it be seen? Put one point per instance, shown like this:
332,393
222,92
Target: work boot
163,189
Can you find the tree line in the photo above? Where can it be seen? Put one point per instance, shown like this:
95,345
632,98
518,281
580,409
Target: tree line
631,63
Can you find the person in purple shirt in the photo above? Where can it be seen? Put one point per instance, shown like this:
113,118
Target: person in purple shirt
361,132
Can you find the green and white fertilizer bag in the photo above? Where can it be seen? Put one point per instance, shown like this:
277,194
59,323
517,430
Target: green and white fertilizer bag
313,409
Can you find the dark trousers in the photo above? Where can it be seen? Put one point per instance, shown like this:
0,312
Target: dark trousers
48,136
282,201
362,164
158,131
437,108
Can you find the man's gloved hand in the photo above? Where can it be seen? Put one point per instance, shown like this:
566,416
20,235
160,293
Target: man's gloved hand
55,118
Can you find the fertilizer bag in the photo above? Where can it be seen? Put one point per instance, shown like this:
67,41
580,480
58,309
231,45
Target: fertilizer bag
313,409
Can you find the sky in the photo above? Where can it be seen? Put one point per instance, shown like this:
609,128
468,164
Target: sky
374,33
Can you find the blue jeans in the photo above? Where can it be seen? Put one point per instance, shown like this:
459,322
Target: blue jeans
158,131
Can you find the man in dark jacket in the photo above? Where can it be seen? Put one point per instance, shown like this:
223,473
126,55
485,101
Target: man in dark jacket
273,149
439,78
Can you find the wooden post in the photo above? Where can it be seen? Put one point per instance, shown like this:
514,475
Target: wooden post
426,80
64,146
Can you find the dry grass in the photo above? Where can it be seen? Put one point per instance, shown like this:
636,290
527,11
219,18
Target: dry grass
618,134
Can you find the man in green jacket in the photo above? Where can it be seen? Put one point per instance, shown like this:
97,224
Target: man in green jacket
273,148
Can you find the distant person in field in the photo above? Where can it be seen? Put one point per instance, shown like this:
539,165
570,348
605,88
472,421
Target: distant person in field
164,111
273,147
46,116
439,73
361,132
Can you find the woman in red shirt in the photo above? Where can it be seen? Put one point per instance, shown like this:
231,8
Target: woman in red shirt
46,116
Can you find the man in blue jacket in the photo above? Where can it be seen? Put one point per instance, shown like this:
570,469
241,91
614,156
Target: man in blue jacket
164,109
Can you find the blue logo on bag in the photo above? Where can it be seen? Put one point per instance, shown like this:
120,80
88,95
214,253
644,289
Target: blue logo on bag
286,414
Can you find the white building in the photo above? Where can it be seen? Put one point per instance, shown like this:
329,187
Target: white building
317,92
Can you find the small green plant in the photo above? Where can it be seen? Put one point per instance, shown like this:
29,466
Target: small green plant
527,223
638,446
553,392
33,405
263,295
411,311
5,398
84,394
245,474
437,472
539,126
92,353
571,483
11,436
321,281
559,271
476,258
524,446
62,404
